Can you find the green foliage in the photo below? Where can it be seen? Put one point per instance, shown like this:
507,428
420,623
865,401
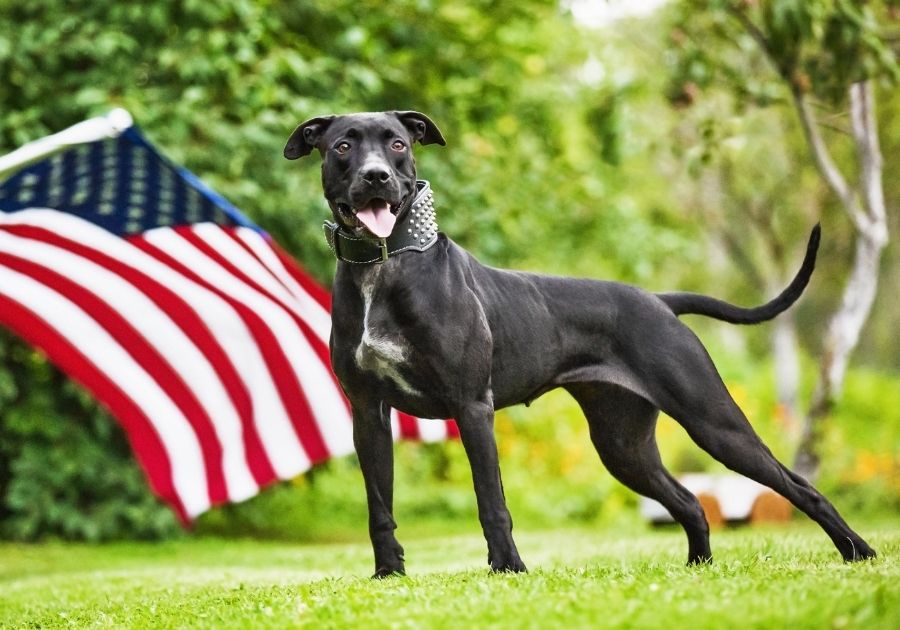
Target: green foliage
65,467
818,47
761,578
327,504
544,169
862,447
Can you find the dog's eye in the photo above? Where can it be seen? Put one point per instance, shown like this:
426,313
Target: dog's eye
342,148
398,145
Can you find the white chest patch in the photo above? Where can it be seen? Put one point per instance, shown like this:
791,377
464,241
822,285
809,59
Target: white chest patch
377,352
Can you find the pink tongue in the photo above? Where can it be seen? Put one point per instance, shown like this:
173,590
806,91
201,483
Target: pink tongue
378,218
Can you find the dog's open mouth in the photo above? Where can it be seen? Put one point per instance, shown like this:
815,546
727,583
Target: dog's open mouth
377,216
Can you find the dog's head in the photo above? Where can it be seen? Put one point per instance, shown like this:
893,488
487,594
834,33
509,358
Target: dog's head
368,169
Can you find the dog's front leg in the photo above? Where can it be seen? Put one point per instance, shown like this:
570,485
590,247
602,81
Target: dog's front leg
476,428
375,449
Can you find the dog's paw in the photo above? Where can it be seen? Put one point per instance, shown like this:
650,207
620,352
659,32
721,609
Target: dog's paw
512,565
699,559
386,572
856,550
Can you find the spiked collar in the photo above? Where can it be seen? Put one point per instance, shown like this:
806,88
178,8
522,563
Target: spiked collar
417,231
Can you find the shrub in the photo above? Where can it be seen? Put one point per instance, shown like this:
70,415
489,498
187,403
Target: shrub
65,466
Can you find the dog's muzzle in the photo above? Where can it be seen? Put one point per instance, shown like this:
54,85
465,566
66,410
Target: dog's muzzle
416,231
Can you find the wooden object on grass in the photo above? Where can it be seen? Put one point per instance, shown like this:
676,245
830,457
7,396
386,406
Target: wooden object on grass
770,507
712,510
728,498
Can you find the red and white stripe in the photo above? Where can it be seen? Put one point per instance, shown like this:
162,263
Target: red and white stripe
208,344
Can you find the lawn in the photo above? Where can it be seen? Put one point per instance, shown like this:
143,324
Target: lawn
762,578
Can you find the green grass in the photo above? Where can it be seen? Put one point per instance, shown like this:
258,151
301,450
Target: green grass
762,578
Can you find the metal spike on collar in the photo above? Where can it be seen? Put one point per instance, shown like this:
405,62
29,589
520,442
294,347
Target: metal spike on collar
424,217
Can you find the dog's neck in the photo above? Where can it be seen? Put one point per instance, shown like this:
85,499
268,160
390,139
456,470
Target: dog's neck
417,231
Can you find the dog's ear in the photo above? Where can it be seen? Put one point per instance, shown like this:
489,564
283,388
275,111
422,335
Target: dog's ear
306,137
421,127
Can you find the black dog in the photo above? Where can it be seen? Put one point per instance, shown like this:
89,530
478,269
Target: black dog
419,325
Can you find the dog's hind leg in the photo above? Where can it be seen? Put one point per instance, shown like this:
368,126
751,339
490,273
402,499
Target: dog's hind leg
476,430
691,391
727,435
622,427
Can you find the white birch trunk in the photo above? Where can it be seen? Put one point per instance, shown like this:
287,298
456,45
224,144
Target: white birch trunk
870,222
787,370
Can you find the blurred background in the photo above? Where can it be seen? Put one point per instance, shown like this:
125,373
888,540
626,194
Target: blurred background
657,143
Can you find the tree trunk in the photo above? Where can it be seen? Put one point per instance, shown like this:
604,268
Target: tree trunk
870,221
840,340
787,371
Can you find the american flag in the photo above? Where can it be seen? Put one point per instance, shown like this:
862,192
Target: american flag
206,341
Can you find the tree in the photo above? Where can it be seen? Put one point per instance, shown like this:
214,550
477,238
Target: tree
824,54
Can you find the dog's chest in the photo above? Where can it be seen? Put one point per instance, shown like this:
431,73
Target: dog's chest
381,349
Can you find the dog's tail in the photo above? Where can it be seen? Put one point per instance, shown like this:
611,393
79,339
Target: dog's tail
696,304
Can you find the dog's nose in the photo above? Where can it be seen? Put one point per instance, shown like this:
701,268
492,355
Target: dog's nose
376,174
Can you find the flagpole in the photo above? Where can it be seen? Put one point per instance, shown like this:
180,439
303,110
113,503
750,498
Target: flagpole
109,126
